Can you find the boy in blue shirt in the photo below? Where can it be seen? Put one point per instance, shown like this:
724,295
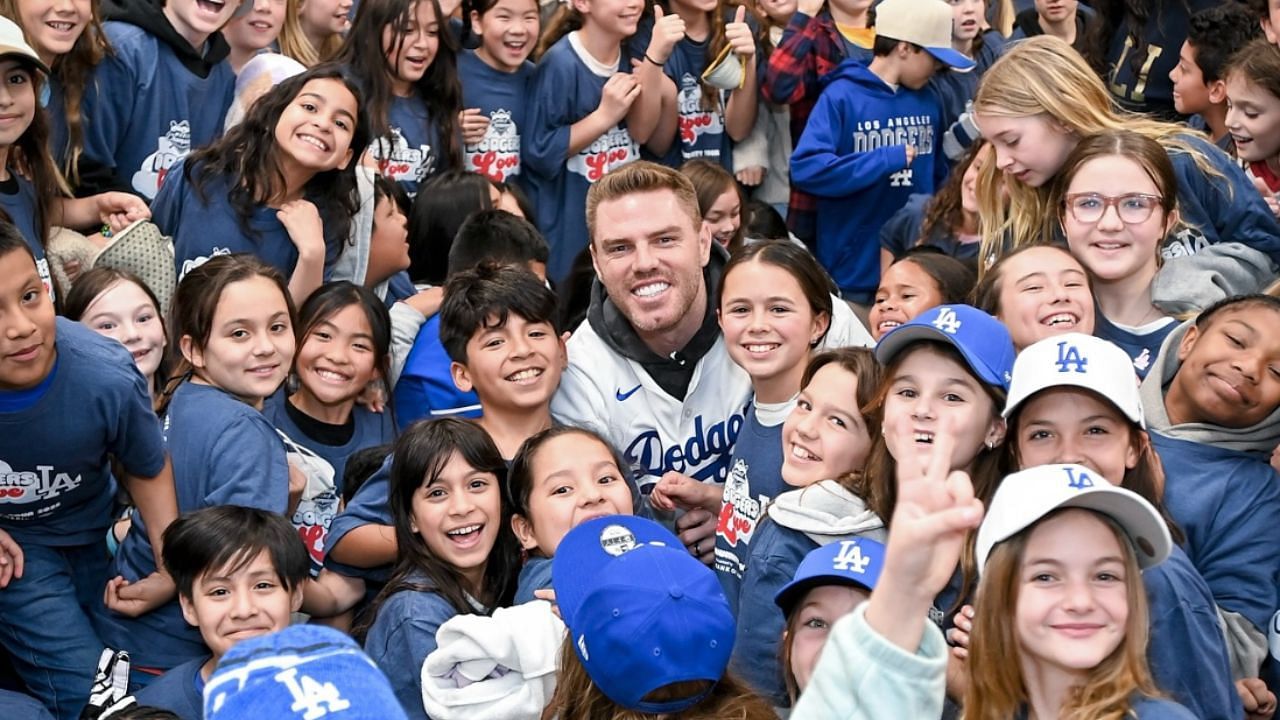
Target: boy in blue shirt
1212,405
871,140
239,573
426,388
1199,82
163,92
71,401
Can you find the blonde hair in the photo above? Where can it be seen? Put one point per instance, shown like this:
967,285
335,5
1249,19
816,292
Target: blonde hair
997,688
641,177
294,42
1044,76
577,698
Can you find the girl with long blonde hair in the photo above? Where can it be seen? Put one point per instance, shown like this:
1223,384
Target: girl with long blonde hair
1037,102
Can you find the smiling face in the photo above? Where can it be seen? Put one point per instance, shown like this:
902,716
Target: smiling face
825,436
1071,425
515,365
17,102
649,254
196,20
905,291
258,28
818,611
410,49
251,345
769,326
929,394
575,478
1072,598
1044,292
1030,149
1190,93
1112,249
969,182
779,11
619,18
508,32
1230,373
1253,119
337,359
125,312
321,19
314,132
230,605
724,217
457,514
53,26
27,323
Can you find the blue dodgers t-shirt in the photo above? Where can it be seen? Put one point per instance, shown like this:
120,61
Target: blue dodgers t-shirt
402,636
501,97
321,499
180,691
224,452
56,487
144,110
18,198
755,479
412,153
205,229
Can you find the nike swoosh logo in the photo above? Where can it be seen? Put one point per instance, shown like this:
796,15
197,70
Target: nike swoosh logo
624,395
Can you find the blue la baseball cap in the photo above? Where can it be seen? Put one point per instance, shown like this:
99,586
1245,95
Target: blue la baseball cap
641,611
855,562
303,671
983,340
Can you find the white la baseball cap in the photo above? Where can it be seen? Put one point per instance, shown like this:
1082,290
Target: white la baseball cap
926,23
14,44
1025,497
1076,360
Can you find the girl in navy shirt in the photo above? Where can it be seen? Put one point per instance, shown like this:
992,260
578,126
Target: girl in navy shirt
1118,199
457,552
345,333
233,321
495,84
280,185
407,60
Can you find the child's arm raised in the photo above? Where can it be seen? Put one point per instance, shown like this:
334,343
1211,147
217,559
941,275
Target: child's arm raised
676,490
740,111
116,210
652,120
302,221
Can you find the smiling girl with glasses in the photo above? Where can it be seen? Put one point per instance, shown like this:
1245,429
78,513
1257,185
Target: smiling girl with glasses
1118,201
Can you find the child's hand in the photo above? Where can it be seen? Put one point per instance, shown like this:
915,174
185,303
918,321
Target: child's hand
751,176
550,596
738,34
373,398
11,559
428,301
667,31
676,490
620,92
1272,202
810,7
119,210
697,530
1259,703
474,123
959,635
141,597
911,154
302,221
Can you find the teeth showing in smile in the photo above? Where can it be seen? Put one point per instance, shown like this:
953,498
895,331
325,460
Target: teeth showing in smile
802,454
651,289
61,26
314,141
464,531
332,376
924,437
762,348
525,375
1059,319
889,324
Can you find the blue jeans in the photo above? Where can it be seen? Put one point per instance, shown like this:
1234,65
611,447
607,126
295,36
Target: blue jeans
45,623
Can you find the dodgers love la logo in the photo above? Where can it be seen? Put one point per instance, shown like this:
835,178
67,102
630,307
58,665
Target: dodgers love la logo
740,513
21,487
695,120
609,152
401,163
170,148
497,155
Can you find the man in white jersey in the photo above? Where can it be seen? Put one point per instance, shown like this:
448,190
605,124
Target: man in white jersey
648,368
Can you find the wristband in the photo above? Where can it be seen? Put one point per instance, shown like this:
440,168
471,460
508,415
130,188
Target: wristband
655,62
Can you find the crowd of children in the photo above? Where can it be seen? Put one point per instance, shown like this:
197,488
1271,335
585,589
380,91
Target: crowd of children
625,360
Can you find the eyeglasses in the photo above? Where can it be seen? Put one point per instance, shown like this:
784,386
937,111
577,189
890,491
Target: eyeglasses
1133,208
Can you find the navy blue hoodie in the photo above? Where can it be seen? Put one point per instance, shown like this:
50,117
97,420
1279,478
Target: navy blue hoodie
853,158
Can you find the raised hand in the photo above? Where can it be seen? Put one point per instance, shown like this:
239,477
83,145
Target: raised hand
738,35
667,31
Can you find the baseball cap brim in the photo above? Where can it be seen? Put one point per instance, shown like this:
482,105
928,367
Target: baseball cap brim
9,52
952,58
794,591
897,339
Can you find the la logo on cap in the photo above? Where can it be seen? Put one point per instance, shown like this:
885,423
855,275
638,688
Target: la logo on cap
947,321
1076,479
1070,358
850,558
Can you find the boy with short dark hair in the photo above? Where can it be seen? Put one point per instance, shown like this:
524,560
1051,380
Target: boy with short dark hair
1199,82
872,139
1212,406
498,324
239,573
426,388
70,402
